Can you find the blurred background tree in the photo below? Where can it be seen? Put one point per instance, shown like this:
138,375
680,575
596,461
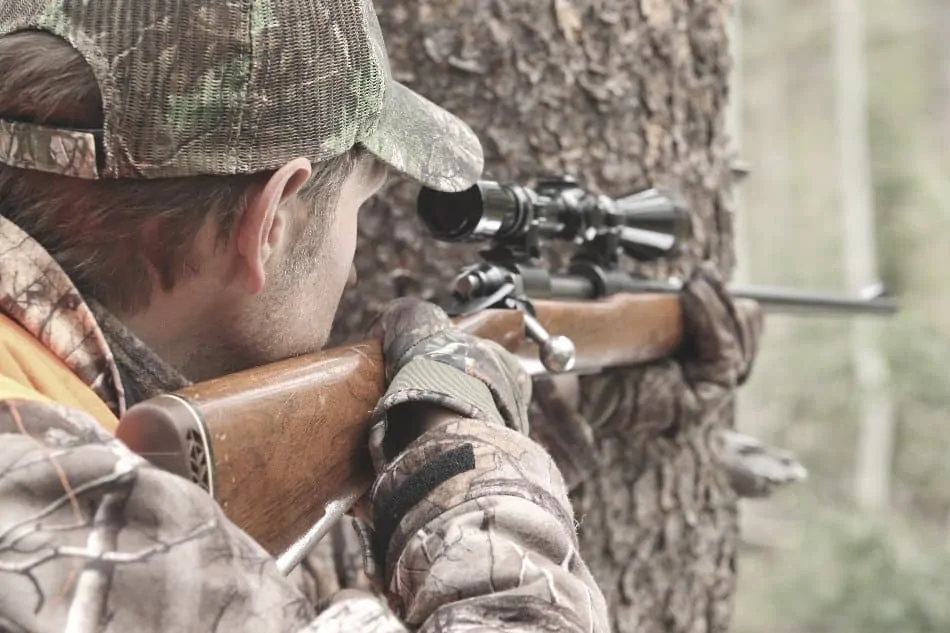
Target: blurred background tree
864,545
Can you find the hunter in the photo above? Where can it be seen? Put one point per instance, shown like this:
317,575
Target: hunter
179,191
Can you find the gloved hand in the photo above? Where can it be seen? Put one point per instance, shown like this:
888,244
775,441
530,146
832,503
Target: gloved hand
720,342
430,362
720,336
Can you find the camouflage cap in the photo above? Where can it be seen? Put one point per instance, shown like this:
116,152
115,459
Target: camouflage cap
212,87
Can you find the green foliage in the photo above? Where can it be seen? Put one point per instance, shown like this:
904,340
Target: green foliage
849,574
919,354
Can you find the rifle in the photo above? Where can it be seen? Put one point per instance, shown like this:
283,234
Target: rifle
283,448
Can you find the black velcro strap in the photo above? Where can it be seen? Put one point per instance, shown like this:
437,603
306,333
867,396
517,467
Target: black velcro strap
386,516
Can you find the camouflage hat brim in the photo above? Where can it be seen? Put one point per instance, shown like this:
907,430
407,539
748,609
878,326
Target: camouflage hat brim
425,142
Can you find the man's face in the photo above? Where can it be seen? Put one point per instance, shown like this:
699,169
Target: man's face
294,313
273,291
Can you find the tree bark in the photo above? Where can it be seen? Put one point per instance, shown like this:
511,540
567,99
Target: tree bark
624,96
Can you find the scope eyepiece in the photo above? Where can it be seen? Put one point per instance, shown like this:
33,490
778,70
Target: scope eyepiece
483,211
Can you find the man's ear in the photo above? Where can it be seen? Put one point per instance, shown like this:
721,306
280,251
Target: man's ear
264,222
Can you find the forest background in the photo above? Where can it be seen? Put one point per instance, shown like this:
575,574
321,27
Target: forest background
842,110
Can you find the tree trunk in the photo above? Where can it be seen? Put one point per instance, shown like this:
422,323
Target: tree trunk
941,12
623,95
876,408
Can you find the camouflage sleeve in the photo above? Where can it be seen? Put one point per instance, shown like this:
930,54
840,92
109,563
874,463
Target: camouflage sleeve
93,538
473,531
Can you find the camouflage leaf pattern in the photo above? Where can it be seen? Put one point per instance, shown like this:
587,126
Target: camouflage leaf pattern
422,348
721,335
335,564
561,429
363,613
756,469
436,150
65,152
87,529
494,535
37,294
720,342
658,456
211,87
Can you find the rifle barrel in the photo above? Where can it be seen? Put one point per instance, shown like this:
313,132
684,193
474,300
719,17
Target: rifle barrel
873,301
794,301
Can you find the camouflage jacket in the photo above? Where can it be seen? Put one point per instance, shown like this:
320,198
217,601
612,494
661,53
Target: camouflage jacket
93,538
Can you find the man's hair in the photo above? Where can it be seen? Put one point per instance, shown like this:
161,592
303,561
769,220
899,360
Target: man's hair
108,234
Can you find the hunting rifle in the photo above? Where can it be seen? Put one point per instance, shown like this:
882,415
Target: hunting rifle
283,448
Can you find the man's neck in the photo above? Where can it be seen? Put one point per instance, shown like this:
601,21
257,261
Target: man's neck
144,372
183,330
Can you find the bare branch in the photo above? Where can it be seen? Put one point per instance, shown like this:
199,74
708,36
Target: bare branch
105,481
117,558
39,528
92,590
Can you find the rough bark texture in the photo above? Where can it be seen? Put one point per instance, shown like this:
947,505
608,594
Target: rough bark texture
623,95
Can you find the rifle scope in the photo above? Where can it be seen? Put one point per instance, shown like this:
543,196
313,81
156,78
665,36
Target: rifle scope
648,223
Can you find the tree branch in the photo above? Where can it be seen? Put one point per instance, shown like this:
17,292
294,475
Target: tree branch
92,590
118,558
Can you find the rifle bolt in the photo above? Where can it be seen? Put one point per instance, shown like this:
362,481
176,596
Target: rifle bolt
557,353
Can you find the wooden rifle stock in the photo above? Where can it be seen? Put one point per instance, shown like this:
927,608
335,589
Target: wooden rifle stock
282,445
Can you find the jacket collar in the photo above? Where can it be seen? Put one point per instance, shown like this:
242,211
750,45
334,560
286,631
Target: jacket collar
37,294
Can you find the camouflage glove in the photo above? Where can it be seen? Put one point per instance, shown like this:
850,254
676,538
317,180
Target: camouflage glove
429,361
720,336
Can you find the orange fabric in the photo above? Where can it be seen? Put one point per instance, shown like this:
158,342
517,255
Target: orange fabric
29,370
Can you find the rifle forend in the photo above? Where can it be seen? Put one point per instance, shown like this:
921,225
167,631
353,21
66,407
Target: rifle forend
283,448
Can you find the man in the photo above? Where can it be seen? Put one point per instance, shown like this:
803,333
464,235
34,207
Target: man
179,188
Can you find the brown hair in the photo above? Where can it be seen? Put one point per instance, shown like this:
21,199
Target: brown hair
115,238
